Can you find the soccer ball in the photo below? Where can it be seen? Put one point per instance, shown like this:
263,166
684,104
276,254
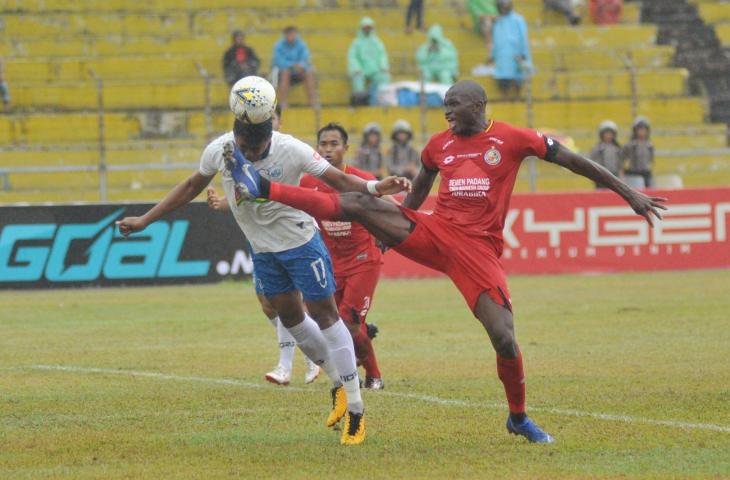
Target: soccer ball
253,99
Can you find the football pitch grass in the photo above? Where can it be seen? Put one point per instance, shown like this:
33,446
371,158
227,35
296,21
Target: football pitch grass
630,373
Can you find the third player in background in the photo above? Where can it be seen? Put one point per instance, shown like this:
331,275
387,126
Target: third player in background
355,255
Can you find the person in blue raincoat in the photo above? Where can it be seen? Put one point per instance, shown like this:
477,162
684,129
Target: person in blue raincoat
510,50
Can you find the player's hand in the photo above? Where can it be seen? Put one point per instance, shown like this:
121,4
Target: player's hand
646,206
129,225
393,185
216,202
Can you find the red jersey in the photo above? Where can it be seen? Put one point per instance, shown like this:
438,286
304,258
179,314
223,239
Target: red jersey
478,174
351,246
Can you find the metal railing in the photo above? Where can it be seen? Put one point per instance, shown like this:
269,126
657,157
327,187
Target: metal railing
102,167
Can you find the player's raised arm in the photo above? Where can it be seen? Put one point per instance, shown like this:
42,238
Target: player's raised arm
182,194
344,182
421,188
644,205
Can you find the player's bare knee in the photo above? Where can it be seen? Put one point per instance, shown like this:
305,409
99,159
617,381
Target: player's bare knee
505,345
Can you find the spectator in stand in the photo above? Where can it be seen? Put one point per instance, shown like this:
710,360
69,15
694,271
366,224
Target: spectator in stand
240,60
293,65
402,159
414,12
605,12
639,152
367,63
565,7
607,152
483,14
510,50
369,155
438,59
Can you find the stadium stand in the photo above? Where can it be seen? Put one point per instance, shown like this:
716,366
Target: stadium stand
153,56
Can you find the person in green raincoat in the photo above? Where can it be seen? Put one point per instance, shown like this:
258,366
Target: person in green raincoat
483,13
367,60
438,59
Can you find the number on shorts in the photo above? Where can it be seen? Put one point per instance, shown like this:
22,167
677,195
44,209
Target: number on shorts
319,272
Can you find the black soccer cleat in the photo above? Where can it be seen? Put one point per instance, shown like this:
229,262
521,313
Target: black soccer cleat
372,330
374,383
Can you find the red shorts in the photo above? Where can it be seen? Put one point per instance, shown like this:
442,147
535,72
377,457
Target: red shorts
470,261
354,294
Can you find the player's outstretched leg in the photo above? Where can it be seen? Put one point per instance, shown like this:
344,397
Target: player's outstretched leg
498,322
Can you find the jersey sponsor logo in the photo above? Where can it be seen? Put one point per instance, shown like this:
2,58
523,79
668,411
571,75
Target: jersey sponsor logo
337,229
496,140
492,156
475,187
84,252
469,155
449,159
446,145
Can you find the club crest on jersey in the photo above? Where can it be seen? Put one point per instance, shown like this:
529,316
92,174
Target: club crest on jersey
492,157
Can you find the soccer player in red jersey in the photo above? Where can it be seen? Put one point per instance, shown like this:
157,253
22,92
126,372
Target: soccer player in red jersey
356,257
478,160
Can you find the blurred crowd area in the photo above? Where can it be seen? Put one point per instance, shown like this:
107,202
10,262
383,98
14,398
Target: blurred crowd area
148,82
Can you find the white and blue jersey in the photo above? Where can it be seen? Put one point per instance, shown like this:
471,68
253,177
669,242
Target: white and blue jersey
288,253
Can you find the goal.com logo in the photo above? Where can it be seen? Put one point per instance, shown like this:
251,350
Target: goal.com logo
84,252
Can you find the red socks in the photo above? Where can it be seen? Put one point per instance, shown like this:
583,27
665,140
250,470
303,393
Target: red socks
323,206
365,353
511,373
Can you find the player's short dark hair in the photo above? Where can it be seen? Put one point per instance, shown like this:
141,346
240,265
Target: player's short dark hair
237,33
289,29
334,127
253,134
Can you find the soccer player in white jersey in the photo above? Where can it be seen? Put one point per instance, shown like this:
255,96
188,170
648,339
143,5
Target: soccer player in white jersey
281,373
288,253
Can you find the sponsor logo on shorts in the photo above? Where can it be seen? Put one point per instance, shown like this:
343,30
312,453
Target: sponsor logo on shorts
492,157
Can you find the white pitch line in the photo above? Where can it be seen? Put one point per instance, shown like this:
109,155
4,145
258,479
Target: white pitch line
412,396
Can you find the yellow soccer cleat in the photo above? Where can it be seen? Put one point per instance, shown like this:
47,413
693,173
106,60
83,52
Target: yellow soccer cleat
339,406
354,431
